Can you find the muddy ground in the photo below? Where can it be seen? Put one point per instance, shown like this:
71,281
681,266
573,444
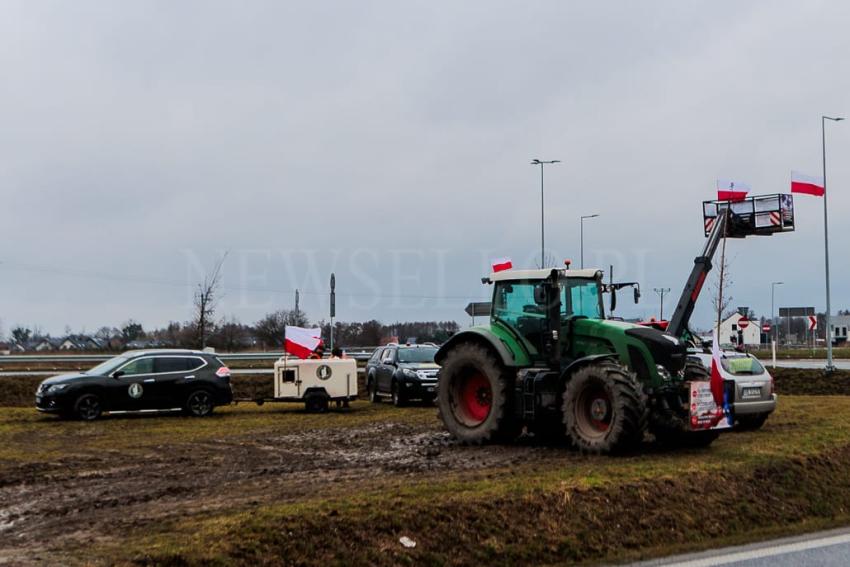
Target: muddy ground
92,492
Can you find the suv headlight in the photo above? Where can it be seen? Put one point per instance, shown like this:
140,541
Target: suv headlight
56,388
409,373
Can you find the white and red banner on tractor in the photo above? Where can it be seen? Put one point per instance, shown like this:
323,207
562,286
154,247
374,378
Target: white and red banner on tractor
807,184
502,264
728,190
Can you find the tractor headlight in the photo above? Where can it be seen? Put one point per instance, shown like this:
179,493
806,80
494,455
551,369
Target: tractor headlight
663,372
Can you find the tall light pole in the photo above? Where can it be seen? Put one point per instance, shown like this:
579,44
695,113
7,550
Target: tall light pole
661,291
829,365
582,236
541,163
774,328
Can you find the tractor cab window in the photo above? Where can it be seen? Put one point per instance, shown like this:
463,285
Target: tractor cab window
514,301
581,298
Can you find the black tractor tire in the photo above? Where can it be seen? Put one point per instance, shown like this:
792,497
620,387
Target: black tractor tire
87,407
474,396
199,403
604,409
316,402
373,391
751,422
398,398
674,431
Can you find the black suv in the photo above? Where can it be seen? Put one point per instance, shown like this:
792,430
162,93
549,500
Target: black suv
192,381
403,373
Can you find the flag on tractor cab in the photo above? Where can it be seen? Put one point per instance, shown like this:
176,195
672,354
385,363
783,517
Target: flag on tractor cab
728,190
807,184
716,377
502,264
301,342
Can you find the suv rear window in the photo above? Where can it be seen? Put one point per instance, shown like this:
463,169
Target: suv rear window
742,366
177,364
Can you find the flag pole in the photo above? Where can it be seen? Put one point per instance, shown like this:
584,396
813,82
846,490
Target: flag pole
830,367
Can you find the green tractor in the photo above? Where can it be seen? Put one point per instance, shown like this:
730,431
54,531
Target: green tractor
550,362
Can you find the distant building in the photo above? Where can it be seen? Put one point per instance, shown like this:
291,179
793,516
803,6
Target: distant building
840,324
729,331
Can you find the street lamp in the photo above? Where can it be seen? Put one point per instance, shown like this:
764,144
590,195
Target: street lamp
582,236
773,319
541,163
829,365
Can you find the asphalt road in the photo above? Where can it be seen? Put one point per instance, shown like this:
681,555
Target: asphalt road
826,549
841,364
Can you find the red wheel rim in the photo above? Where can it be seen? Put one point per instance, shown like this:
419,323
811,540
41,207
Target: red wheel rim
595,411
475,398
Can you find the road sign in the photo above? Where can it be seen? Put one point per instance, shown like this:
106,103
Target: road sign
743,323
765,328
813,322
796,311
478,309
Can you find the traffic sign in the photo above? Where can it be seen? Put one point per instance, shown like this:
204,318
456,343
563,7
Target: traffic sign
743,323
478,309
765,328
813,322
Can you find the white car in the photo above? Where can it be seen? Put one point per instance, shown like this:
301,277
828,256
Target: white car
755,398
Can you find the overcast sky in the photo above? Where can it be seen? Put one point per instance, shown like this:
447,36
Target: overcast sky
390,142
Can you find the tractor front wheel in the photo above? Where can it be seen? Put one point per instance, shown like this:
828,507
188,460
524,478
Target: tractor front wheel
473,396
604,409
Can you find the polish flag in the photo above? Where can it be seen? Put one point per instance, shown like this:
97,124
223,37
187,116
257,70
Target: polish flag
728,190
502,264
802,183
301,342
716,377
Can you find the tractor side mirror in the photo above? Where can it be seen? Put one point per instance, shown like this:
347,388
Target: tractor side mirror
637,294
539,295
613,298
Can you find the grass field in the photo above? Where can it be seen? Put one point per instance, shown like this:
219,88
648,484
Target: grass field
273,485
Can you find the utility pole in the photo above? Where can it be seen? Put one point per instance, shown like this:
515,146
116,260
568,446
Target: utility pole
541,163
581,238
333,307
661,291
774,329
830,367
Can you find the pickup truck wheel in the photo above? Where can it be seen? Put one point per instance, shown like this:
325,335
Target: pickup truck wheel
199,404
88,407
373,392
474,396
397,396
604,409
752,422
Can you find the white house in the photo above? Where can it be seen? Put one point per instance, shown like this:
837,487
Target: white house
729,331
840,325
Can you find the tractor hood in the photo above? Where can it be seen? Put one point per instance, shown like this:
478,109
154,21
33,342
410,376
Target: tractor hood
665,349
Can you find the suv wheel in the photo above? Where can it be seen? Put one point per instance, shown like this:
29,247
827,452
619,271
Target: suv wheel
199,404
88,407
397,396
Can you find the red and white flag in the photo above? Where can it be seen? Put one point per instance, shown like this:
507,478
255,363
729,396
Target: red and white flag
728,190
502,264
807,184
716,377
301,342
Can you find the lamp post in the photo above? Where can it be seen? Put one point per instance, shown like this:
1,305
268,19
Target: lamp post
662,291
773,319
829,365
541,163
593,216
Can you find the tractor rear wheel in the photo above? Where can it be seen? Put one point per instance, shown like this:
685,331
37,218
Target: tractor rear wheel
474,396
604,408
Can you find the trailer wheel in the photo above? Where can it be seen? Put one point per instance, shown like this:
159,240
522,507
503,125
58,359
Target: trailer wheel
604,409
316,402
474,396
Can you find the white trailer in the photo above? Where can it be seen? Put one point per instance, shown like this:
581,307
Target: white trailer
315,382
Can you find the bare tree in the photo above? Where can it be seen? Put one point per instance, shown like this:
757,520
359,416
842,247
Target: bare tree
721,299
206,299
